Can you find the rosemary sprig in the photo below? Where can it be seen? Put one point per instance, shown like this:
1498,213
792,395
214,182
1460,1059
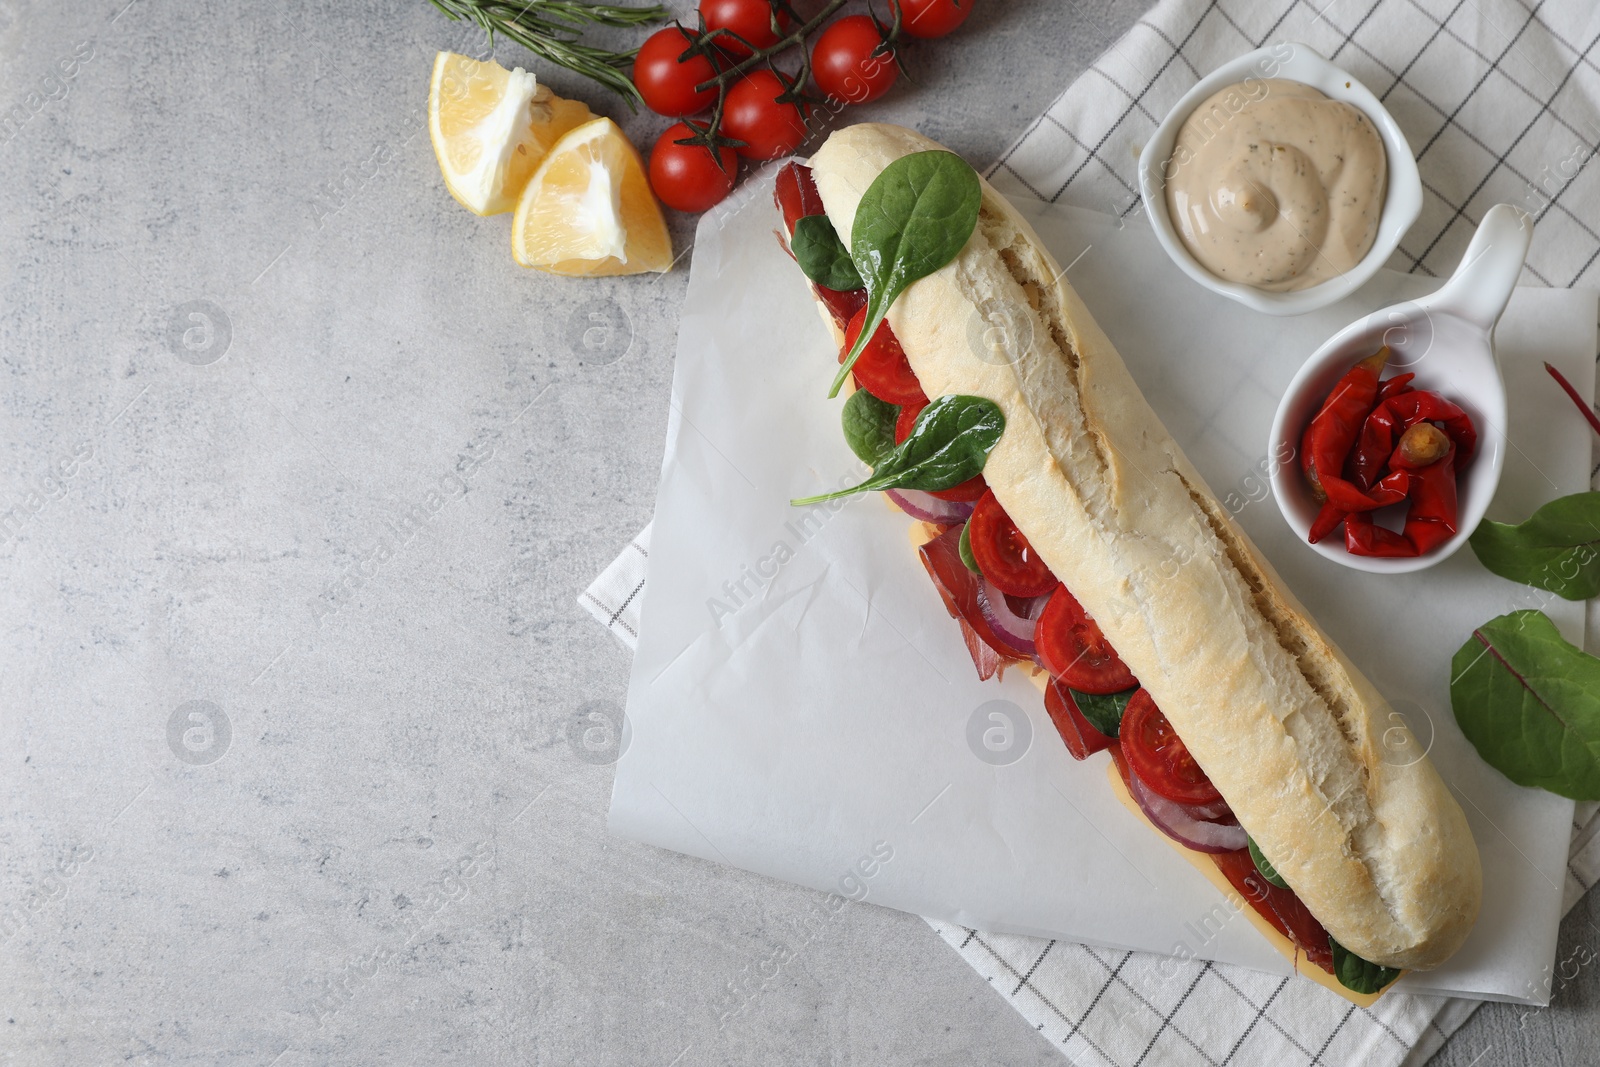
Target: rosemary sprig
552,29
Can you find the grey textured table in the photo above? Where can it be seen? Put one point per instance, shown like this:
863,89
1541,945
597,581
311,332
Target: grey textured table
301,477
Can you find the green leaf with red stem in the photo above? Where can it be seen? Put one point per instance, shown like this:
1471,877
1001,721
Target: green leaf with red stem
1557,548
1530,704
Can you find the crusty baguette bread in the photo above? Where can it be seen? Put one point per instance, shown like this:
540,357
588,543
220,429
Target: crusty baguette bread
1286,727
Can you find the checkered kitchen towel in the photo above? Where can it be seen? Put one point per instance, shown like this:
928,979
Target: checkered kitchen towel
1501,101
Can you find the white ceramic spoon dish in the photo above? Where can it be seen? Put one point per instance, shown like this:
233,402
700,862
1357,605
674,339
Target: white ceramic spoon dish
1446,340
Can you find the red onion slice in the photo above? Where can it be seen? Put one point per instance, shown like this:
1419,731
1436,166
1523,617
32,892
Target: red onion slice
1217,809
1178,822
929,508
1001,612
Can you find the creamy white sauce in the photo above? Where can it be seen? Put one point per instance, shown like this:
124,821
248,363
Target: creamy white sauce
1274,185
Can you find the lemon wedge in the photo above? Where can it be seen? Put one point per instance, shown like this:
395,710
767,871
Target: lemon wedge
588,210
492,127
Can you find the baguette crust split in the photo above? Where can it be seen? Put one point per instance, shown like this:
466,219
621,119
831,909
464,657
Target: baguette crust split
1288,730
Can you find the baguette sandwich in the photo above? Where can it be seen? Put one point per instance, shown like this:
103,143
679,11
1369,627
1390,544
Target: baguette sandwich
1235,689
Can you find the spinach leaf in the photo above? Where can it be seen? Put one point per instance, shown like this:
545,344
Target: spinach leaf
948,444
820,253
1557,548
1530,704
869,426
1104,712
913,219
1264,865
964,549
1357,974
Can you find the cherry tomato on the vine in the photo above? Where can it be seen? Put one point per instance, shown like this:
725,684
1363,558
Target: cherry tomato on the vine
687,176
750,19
667,85
847,65
752,114
932,18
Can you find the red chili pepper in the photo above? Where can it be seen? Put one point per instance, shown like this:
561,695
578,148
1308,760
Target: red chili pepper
1360,467
1345,499
1431,517
1363,537
1367,426
1327,521
1396,415
1400,383
1334,429
1431,407
1426,455
1377,441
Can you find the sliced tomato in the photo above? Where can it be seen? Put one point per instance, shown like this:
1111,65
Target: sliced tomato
1159,756
971,489
1003,553
882,368
1072,648
1082,739
1286,912
907,419
959,589
797,197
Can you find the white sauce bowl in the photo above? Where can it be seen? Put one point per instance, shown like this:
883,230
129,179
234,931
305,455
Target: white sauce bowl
1295,62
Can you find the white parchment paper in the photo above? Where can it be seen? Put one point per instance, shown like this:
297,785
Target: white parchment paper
802,706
